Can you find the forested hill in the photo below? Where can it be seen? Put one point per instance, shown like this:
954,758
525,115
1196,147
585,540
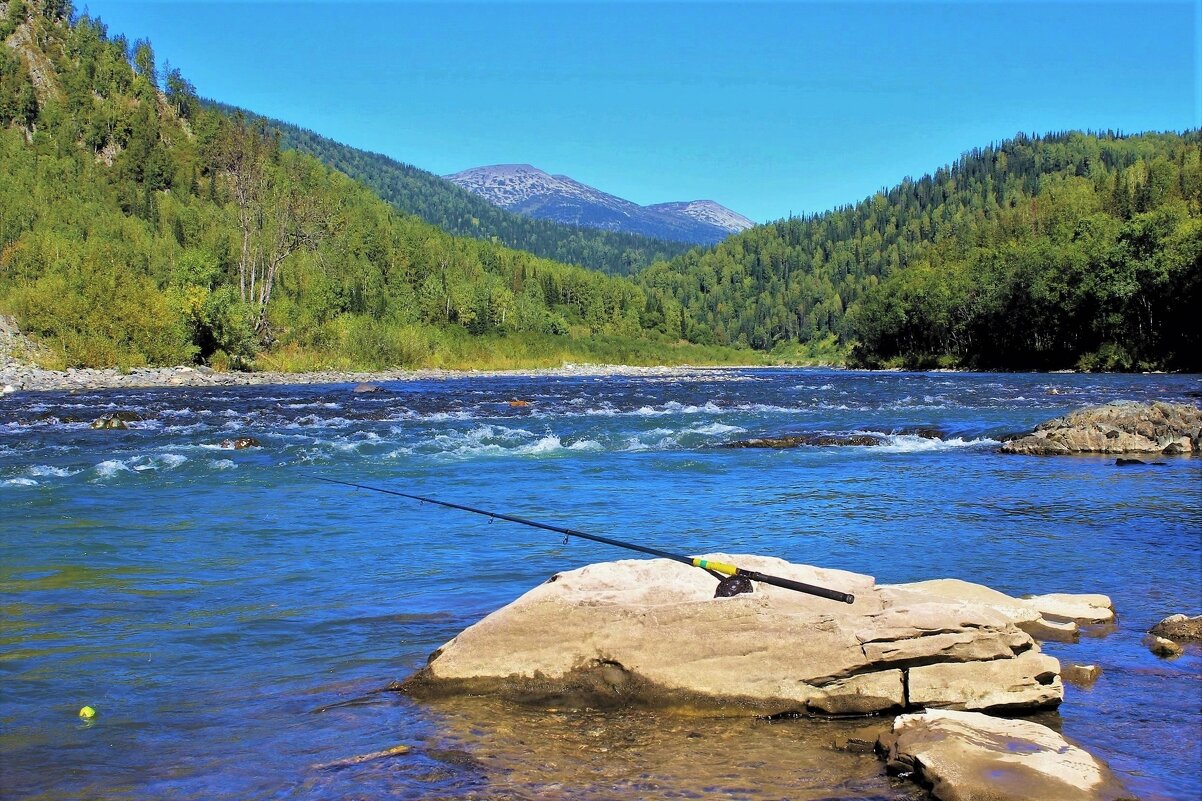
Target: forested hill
1071,250
138,225
458,211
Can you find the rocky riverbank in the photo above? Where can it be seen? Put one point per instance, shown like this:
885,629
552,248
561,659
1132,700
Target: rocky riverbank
17,377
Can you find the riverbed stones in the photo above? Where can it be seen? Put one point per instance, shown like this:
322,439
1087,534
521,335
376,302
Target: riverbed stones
1121,427
650,632
968,756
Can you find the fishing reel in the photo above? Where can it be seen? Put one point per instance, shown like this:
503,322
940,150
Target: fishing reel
729,586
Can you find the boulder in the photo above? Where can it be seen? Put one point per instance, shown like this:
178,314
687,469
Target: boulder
1180,628
968,756
650,632
360,389
1122,427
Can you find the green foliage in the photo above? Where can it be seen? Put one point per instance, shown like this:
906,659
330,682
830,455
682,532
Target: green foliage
1039,253
143,227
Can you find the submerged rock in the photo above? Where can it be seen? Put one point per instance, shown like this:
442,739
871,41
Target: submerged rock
117,420
651,632
812,440
239,443
1080,675
1162,646
1123,427
967,756
1180,627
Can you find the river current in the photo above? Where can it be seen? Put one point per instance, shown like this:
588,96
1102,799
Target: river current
232,620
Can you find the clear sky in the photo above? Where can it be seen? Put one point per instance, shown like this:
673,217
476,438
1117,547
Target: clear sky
768,108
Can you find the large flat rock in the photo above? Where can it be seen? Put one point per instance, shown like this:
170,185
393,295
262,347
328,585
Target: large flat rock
1121,427
968,756
651,632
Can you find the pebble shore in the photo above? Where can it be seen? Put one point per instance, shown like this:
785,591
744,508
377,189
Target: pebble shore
25,378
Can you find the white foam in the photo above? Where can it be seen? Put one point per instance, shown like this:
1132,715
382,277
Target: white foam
139,464
50,470
909,443
222,464
21,482
713,429
111,467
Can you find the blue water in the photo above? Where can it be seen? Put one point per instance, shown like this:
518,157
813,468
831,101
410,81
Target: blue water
232,619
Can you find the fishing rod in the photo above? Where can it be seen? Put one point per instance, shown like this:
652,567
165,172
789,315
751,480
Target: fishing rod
727,586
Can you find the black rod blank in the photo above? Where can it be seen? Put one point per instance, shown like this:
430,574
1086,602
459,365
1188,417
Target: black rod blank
721,567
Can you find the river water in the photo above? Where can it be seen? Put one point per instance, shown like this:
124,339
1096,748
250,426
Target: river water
232,619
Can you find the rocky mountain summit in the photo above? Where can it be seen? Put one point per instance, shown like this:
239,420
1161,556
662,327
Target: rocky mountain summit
535,193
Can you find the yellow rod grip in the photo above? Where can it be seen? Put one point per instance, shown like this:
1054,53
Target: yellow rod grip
721,567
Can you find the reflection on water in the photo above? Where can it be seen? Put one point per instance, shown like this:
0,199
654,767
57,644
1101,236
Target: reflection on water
231,619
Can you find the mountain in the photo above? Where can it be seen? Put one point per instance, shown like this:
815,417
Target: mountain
458,211
1071,250
532,192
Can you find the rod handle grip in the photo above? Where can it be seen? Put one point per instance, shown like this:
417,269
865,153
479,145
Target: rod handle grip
809,589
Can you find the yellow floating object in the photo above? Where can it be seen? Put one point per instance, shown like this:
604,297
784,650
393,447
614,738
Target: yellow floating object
87,713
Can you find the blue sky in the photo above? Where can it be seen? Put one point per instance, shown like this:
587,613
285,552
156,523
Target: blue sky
768,108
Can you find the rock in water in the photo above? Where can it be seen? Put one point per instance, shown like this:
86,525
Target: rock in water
239,443
812,440
651,632
1162,646
967,756
1124,427
361,389
1080,675
1180,628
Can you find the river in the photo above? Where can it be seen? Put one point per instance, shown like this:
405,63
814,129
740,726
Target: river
232,619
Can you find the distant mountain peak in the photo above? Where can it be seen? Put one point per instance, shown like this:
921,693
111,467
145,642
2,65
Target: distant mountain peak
526,189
